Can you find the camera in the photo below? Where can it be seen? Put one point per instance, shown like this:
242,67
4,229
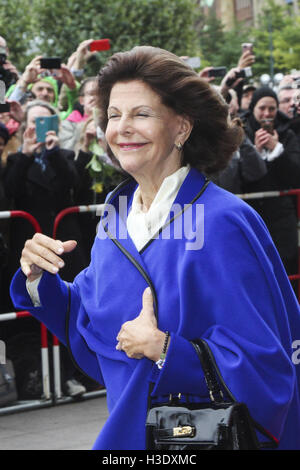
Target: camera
2,58
5,75
243,73
217,72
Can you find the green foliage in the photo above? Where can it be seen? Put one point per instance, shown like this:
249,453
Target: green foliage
278,31
16,26
58,26
287,46
277,36
220,47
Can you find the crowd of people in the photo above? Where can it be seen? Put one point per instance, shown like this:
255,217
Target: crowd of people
72,166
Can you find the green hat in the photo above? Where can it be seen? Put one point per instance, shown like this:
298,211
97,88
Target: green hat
54,85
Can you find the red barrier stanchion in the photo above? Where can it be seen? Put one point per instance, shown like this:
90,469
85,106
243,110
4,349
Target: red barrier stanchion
55,342
23,314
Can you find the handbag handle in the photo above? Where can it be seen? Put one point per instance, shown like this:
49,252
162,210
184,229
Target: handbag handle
215,392
213,376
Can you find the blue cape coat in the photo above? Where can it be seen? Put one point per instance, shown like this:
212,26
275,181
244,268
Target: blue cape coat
228,286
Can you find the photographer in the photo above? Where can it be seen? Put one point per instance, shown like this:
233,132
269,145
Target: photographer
12,120
269,130
45,85
41,178
246,164
234,80
8,72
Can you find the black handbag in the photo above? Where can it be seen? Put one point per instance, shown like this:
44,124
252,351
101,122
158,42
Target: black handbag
217,425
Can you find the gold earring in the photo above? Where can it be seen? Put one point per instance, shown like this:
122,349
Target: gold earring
178,146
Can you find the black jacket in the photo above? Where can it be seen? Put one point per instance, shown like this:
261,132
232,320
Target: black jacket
246,166
43,186
283,173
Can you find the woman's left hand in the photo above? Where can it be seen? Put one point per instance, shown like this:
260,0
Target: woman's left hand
51,140
140,337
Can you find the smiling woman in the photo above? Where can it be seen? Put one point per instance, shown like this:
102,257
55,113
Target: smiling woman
141,133
130,316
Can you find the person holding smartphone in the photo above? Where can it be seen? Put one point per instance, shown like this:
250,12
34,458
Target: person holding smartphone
269,130
40,179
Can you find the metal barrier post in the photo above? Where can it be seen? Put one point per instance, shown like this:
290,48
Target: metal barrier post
16,315
55,341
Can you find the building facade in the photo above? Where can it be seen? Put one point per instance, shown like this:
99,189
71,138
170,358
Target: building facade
246,11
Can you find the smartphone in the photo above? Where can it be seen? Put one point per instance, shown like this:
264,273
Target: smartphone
267,125
217,72
247,46
44,124
100,45
50,63
4,107
193,62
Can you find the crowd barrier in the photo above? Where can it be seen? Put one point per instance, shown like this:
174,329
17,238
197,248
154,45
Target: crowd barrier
282,193
47,398
57,397
55,342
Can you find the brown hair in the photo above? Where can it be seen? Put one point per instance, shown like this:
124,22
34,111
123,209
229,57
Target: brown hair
213,139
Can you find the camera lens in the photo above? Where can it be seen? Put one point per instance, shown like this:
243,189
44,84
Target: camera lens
2,59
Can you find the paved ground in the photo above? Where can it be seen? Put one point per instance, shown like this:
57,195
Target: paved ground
69,426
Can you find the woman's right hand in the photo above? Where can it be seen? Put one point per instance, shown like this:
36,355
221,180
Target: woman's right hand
42,253
30,145
31,72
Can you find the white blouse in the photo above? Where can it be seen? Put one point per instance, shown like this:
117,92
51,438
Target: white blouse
142,226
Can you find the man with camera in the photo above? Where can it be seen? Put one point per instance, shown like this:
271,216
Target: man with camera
44,84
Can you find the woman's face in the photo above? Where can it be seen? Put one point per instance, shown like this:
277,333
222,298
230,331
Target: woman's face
265,108
141,131
36,111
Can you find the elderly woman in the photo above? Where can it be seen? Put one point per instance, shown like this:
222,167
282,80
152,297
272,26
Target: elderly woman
175,258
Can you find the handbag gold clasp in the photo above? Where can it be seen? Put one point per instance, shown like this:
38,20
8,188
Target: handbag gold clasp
184,431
